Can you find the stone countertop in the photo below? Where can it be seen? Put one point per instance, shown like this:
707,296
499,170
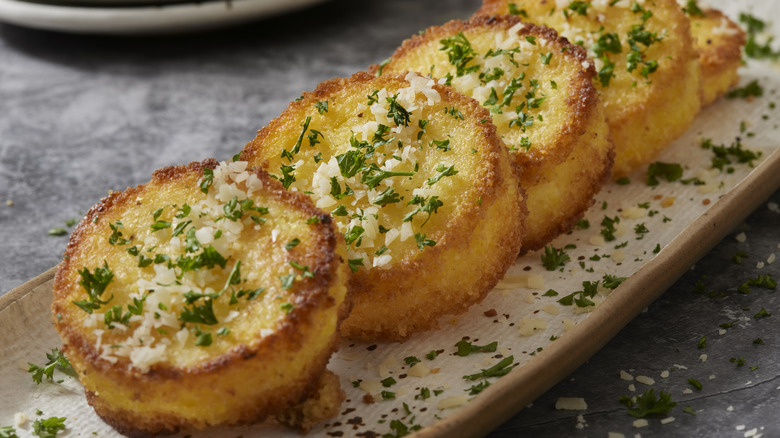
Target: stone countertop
81,115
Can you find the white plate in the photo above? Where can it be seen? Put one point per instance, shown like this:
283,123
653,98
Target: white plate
139,20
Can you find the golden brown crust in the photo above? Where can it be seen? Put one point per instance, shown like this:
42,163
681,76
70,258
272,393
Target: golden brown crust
541,158
421,286
170,397
579,142
644,115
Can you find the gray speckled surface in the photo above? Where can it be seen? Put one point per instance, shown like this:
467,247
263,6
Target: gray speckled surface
82,115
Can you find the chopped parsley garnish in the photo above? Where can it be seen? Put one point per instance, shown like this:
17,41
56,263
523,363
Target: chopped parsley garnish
465,348
611,281
554,258
411,360
422,242
209,258
669,171
739,361
693,10
180,228
432,355
56,360
607,71
199,314
400,429
389,196
443,172
388,382
443,145
589,290
454,112
424,394
287,175
353,234
8,432
322,107
399,114
207,181
57,231
287,280
765,281
737,259
514,11
184,211
297,146
287,307
502,368
373,175
695,383
354,264
724,154
202,339
350,163
459,53
426,205
115,315
752,89
95,284
648,404
479,387
754,49
762,314
48,427
292,244
578,7
608,227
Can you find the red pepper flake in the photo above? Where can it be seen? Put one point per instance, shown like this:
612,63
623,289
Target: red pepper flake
705,201
490,313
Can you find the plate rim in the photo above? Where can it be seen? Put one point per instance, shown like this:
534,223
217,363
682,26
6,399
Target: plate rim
143,19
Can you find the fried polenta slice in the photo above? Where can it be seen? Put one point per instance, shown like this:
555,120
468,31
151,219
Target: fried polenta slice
540,93
209,296
648,70
719,42
419,184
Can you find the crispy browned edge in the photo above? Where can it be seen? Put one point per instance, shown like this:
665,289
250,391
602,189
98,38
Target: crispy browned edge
310,295
322,403
392,283
532,163
721,58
